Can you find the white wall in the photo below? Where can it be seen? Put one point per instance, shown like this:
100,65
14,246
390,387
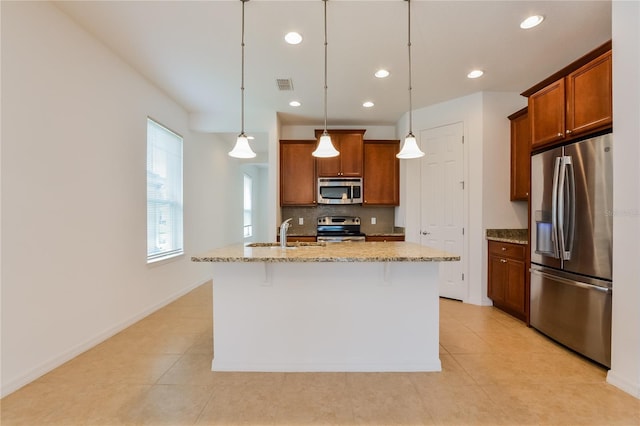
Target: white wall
496,154
73,194
625,339
486,165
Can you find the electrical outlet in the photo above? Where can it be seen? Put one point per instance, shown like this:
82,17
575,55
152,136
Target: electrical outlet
373,220
300,221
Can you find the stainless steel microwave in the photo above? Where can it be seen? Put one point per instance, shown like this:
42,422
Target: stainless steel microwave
339,190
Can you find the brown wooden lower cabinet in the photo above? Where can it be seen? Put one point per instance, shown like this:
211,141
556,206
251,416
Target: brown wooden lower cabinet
298,238
385,237
507,278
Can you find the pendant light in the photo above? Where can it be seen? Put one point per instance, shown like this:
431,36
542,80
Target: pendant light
325,147
410,148
242,148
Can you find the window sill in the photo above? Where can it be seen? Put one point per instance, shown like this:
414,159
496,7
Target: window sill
164,259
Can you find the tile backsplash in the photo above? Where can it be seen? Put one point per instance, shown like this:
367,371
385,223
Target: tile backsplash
384,217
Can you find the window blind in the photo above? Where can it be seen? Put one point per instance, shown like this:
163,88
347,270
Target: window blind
248,209
164,193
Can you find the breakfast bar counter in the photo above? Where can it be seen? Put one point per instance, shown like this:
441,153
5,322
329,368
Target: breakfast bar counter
369,306
327,252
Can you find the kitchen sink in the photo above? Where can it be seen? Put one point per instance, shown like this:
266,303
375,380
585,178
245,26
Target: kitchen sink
289,245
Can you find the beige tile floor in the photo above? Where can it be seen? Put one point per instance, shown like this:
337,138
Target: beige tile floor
496,371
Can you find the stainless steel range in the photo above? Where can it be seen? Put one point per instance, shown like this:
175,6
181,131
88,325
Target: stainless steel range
332,229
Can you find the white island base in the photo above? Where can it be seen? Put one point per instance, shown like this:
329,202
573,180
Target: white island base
326,316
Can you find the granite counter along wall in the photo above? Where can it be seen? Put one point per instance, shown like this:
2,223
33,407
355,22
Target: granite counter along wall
515,236
384,218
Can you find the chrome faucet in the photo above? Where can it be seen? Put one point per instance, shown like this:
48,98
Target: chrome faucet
284,226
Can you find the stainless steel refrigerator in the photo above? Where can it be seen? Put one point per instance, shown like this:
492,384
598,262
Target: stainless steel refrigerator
571,245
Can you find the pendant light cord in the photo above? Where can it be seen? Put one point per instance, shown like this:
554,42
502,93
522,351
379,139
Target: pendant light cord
409,48
242,82
325,67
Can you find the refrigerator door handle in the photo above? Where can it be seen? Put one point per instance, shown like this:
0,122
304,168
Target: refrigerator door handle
570,209
554,208
562,178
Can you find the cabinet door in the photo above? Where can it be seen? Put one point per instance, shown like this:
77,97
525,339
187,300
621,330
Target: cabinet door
498,278
547,113
507,278
331,167
351,146
381,173
349,162
589,96
297,173
514,292
520,155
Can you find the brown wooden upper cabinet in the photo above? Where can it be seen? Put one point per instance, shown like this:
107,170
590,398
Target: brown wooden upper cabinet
577,102
349,163
297,173
381,181
520,154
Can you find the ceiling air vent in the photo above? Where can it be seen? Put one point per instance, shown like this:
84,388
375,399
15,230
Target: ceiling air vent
284,83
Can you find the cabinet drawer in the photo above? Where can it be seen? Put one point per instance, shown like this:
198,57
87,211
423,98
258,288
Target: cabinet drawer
298,238
515,251
385,238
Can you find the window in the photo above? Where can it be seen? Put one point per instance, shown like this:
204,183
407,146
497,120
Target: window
248,193
164,193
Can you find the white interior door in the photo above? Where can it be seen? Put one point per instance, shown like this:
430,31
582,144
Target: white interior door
442,202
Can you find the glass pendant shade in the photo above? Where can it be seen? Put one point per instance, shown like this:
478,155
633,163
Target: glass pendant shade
325,148
410,148
242,148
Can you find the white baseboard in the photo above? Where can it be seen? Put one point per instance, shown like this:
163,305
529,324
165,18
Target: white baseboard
622,383
73,352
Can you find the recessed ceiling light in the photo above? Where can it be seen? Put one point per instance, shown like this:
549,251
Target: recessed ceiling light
293,38
368,104
475,74
531,22
381,73
295,103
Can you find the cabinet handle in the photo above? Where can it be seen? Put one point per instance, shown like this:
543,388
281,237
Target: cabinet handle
503,261
568,131
504,249
560,135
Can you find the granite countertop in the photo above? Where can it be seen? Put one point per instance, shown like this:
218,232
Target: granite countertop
516,236
328,252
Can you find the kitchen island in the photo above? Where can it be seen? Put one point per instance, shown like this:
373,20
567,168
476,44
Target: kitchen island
326,307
